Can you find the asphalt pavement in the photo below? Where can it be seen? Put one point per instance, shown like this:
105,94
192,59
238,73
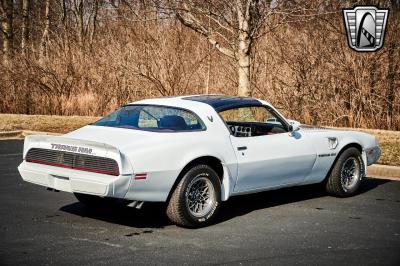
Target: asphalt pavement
296,226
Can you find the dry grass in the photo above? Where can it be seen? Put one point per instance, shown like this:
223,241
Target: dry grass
389,140
45,123
390,145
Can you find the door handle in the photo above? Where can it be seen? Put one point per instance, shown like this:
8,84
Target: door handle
241,148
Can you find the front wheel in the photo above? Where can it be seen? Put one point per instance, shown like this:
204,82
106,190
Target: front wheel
346,175
196,199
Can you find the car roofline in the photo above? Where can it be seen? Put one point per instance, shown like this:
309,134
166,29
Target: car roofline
219,102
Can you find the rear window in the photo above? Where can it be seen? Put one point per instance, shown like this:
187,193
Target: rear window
152,117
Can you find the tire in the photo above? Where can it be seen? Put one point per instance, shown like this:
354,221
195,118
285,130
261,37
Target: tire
93,201
186,207
345,178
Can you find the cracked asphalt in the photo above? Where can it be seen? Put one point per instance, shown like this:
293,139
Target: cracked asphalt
299,226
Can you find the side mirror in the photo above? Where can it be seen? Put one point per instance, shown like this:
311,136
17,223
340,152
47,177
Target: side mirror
294,125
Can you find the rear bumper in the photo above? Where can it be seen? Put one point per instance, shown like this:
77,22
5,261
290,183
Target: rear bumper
71,180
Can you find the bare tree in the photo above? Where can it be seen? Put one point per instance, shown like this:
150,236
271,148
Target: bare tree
160,66
122,51
393,65
85,15
232,36
235,26
93,16
45,36
25,25
6,16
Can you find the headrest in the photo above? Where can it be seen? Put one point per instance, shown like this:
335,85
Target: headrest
173,122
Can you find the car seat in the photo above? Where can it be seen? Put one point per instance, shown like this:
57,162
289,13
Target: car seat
173,122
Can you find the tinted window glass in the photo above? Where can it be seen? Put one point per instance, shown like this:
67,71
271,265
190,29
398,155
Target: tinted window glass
252,121
152,117
250,114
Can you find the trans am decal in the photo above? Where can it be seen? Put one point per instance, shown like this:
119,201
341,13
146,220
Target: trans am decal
62,147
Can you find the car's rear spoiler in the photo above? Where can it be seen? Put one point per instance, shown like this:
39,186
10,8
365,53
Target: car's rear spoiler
69,145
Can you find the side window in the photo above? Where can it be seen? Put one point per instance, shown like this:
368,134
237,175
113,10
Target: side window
252,121
154,118
247,114
167,118
147,120
192,121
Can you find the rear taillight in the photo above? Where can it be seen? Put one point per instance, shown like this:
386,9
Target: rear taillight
75,161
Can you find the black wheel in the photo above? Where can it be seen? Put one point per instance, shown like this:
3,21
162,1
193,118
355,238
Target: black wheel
93,201
346,175
196,199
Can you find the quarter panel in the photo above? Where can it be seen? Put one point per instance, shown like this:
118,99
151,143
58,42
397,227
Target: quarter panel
164,159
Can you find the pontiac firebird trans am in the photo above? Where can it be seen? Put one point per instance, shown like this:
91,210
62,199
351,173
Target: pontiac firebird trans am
194,152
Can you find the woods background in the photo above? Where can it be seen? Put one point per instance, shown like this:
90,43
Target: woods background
88,57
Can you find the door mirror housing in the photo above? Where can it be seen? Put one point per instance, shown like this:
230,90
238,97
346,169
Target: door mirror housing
294,125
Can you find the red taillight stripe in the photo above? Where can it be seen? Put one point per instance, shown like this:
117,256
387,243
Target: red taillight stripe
140,176
98,171
69,167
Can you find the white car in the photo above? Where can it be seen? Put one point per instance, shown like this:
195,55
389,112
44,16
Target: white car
194,152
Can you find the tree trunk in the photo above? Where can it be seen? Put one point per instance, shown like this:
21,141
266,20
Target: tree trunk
243,59
7,28
244,46
392,73
390,95
25,25
207,87
81,25
64,12
94,22
46,30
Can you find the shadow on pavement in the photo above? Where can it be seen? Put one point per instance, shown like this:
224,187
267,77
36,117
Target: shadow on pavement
241,205
152,215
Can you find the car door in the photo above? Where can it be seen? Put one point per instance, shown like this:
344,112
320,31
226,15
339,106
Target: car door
274,158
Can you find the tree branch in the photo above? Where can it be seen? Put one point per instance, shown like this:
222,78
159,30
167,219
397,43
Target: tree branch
190,21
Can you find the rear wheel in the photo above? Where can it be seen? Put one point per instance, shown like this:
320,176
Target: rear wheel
345,177
196,199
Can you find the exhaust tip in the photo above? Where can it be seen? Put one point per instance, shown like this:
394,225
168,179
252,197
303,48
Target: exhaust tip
136,204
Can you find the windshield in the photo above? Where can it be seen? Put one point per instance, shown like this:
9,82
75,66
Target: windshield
152,117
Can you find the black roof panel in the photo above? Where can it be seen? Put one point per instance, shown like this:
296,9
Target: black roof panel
223,102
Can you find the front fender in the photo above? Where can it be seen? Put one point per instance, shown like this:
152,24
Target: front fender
327,155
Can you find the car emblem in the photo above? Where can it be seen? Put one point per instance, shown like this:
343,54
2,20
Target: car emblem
332,142
365,26
210,118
